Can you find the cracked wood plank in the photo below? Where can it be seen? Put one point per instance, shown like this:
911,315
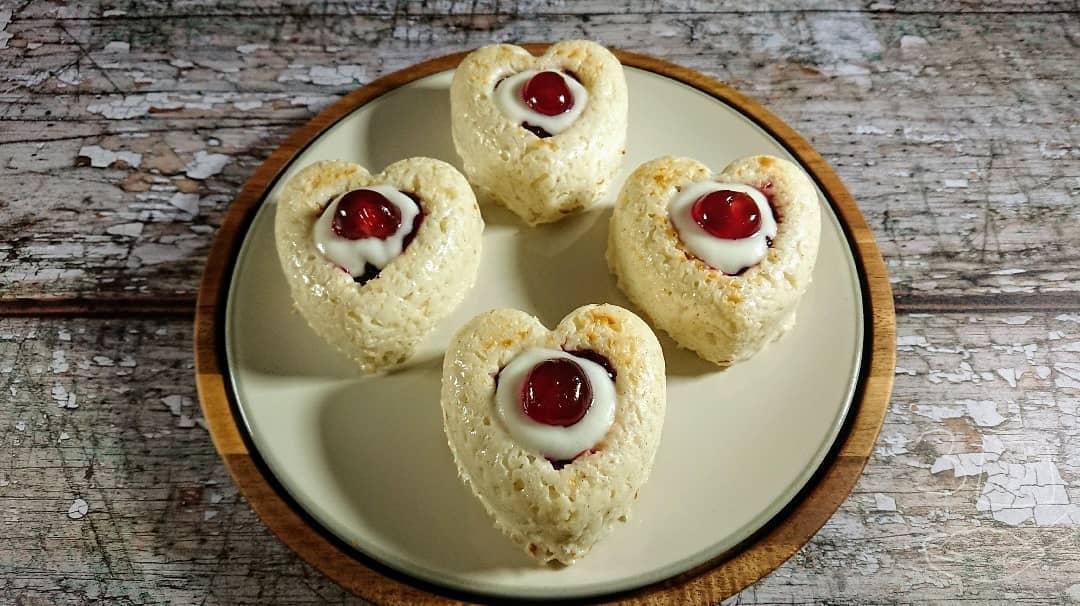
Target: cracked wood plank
954,132
111,490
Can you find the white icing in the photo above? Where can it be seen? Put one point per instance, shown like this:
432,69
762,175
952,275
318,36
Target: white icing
558,443
354,255
728,256
508,100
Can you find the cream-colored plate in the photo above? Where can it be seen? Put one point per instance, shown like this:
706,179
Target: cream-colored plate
367,457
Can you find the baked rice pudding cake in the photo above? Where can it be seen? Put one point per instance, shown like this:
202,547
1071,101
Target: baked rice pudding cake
543,136
555,431
374,262
718,261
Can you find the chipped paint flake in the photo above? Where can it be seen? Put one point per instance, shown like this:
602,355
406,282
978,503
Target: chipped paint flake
893,445
955,183
188,203
884,502
1017,320
912,42
117,46
5,20
103,158
63,398
1068,375
59,361
132,230
79,508
175,403
983,412
911,341
247,105
20,426
247,49
206,165
321,75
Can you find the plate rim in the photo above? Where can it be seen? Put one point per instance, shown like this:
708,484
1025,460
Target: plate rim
721,577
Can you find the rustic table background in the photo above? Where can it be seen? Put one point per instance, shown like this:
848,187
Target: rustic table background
127,127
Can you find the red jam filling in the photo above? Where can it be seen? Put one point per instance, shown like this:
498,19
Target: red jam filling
536,130
556,392
726,214
364,213
592,356
547,93
560,463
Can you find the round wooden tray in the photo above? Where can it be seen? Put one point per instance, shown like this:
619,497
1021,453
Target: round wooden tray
720,578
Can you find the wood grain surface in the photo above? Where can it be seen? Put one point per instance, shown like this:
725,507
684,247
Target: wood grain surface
127,127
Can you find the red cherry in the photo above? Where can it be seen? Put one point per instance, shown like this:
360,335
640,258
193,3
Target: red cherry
726,214
547,93
363,213
556,392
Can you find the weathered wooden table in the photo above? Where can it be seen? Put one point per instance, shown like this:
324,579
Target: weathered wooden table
127,127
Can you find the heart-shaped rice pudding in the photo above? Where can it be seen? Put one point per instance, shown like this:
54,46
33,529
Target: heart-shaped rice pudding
543,136
718,261
555,431
374,262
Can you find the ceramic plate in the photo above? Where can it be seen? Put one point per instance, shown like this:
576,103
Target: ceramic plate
366,460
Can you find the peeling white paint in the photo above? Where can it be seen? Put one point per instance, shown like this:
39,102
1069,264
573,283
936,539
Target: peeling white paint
892,445
125,229
206,165
247,49
20,426
63,398
884,502
983,412
103,361
5,20
1017,320
117,46
1009,374
311,102
59,361
868,129
1068,375
247,105
114,12
175,403
956,183
103,158
337,75
188,203
1008,272
911,341
912,42
79,508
